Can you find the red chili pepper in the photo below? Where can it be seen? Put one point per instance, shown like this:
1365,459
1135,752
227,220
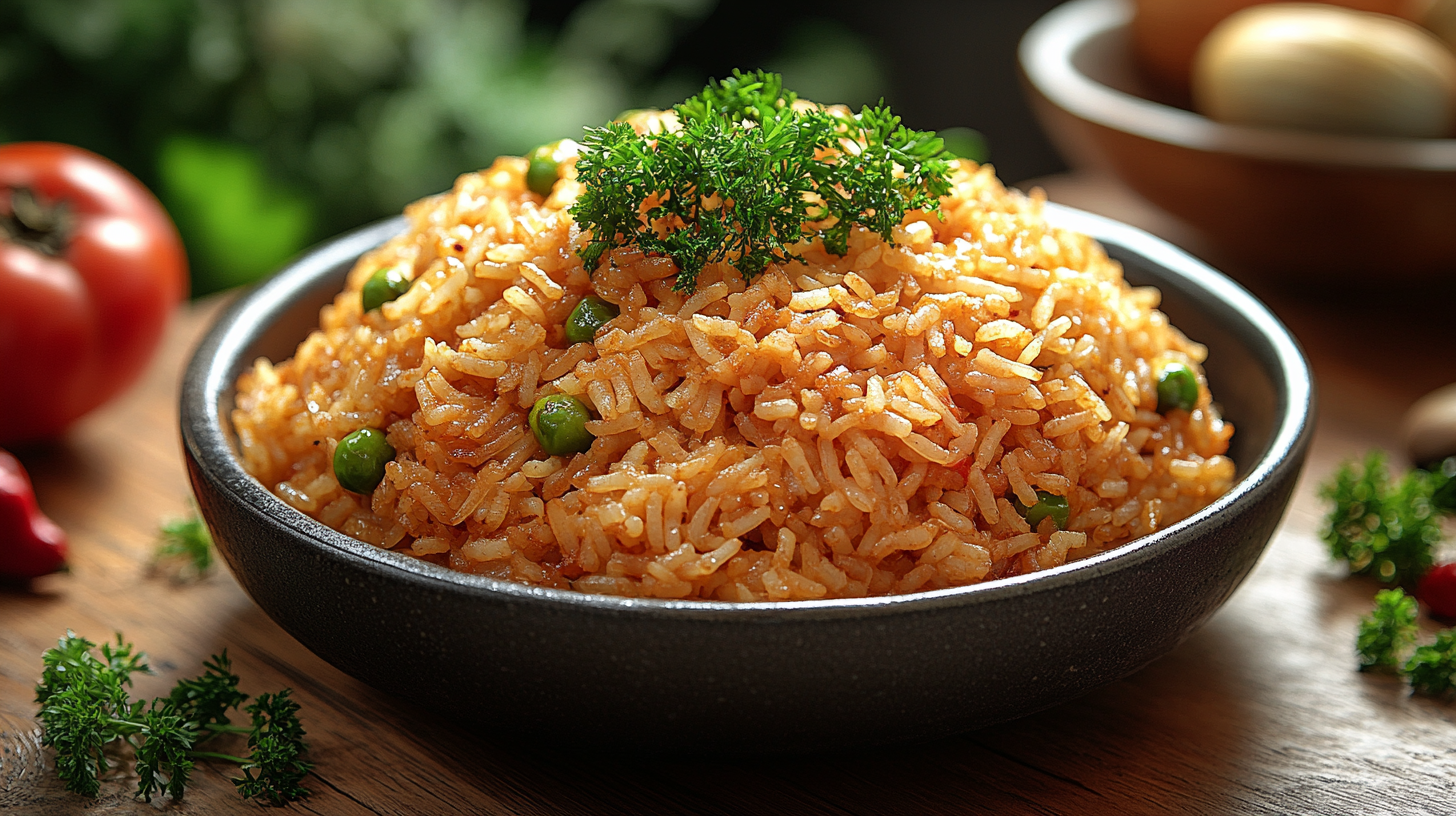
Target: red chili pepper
1437,590
31,545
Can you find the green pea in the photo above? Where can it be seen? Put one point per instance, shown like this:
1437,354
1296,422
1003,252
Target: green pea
589,315
1177,388
360,458
1048,505
382,287
559,423
545,165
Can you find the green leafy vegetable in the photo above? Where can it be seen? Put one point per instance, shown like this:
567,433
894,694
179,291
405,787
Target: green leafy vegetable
85,706
275,768
1381,528
1387,631
186,544
748,176
207,699
85,710
1432,669
163,757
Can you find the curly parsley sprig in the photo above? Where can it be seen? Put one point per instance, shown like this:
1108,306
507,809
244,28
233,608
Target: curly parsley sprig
747,176
184,548
1385,639
86,711
1431,669
1382,528
1387,632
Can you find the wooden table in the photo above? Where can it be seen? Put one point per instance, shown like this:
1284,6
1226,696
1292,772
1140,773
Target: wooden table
1262,711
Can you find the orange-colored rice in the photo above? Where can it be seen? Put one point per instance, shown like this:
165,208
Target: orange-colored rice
849,426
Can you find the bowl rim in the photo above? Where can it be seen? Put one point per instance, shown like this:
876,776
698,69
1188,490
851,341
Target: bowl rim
1046,55
218,360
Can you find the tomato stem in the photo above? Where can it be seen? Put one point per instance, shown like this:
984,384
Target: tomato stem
36,224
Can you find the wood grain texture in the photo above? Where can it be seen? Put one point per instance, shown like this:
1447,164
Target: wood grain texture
1261,711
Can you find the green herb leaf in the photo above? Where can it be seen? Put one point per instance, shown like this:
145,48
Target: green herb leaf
1432,669
274,769
1382,529
85,705
86,709
747,177
186,544
163,763
1387,631
205,700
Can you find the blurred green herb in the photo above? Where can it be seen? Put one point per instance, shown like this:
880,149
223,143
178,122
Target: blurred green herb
748,176
266,126
184,548
1382,528
965,143
275,767
87,712
1388,631
1431,669
241,224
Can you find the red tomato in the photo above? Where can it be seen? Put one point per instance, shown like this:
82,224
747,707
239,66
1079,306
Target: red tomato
1437,590
90,268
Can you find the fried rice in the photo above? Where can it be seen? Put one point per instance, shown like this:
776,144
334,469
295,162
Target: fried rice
839,427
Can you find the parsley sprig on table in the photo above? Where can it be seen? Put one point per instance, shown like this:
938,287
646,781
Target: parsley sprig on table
87,712
1383,528
1385,639
1388,631
184,548
1431,670
748,176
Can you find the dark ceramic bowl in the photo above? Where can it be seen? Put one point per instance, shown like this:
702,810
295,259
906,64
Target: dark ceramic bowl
650,674
1282,203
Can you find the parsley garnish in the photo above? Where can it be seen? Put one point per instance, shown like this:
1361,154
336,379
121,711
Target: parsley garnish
184,548
1387,631
1386,636
86,712
1382,528
747,177
275,768
1432,668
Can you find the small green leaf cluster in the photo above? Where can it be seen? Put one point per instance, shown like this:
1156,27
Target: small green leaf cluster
1382,528
1386,635
275,767
748,176
1388,631
186,545
87,712
1432,668
85,705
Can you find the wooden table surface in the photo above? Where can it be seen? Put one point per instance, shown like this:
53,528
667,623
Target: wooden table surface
1261,711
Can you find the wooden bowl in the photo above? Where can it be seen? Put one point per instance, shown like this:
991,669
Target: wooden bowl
710,676
1307,206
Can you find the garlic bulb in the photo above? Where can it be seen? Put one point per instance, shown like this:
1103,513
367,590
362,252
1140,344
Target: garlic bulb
1316,67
